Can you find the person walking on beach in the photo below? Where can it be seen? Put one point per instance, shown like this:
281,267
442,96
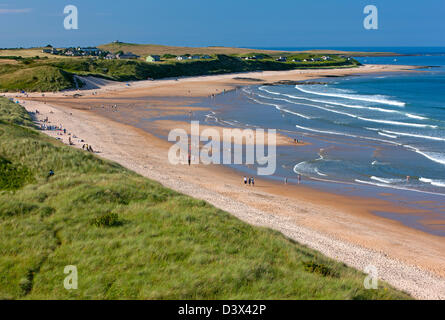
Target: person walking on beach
285,180
253,181
245,180
250,182
299,178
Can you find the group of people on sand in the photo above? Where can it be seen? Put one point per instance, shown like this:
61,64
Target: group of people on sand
62,130
286,180
88,148
249,181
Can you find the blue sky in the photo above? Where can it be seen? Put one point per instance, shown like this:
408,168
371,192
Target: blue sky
260,23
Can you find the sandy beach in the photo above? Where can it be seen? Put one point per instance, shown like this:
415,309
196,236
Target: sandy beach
340,227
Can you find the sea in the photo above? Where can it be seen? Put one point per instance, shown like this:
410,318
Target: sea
379,133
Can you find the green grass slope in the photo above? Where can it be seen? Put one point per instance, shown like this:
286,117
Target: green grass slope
131,238
124,70
40,78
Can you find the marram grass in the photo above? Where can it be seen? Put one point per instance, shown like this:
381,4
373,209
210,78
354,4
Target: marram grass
131,238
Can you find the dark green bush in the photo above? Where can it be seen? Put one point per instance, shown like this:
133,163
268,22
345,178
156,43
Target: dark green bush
314,267
107,220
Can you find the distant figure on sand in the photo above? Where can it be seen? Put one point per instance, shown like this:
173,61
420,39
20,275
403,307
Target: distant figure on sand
299,178
285,180
245,180
253,182
250,181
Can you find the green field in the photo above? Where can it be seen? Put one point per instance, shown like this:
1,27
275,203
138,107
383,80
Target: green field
54,73
131,238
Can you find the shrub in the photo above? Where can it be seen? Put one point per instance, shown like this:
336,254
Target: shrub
13,177
107,220
321,269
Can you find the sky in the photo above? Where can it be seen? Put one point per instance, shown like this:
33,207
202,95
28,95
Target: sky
237,23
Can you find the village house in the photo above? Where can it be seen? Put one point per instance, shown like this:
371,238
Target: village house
110,56
153,58
127,55
281,59
89,51
50,50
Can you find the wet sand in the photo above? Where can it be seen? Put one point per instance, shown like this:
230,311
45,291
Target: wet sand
341,227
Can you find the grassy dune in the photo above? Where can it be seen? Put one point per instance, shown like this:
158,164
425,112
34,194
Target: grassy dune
42,78
131,238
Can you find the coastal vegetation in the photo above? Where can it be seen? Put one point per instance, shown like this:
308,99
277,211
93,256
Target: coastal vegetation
132,238
41,72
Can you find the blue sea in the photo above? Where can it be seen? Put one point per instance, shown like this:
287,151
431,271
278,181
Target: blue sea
385,130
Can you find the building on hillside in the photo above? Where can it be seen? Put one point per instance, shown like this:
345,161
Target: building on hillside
281,59
89,51
153,58
180,58
195,57
127,55
110,56
50,50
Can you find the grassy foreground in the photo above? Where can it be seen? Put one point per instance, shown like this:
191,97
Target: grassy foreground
131,238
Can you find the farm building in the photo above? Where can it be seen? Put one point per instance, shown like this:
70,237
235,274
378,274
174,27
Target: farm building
153,58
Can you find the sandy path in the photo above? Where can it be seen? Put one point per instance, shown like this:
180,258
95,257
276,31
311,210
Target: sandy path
337,227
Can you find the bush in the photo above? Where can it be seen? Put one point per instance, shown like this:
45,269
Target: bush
107,220
13,177
321,269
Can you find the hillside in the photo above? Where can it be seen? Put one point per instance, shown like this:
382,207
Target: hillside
42,74
149,49
131,238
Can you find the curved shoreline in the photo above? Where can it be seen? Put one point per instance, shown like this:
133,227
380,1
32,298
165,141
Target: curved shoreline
407,259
